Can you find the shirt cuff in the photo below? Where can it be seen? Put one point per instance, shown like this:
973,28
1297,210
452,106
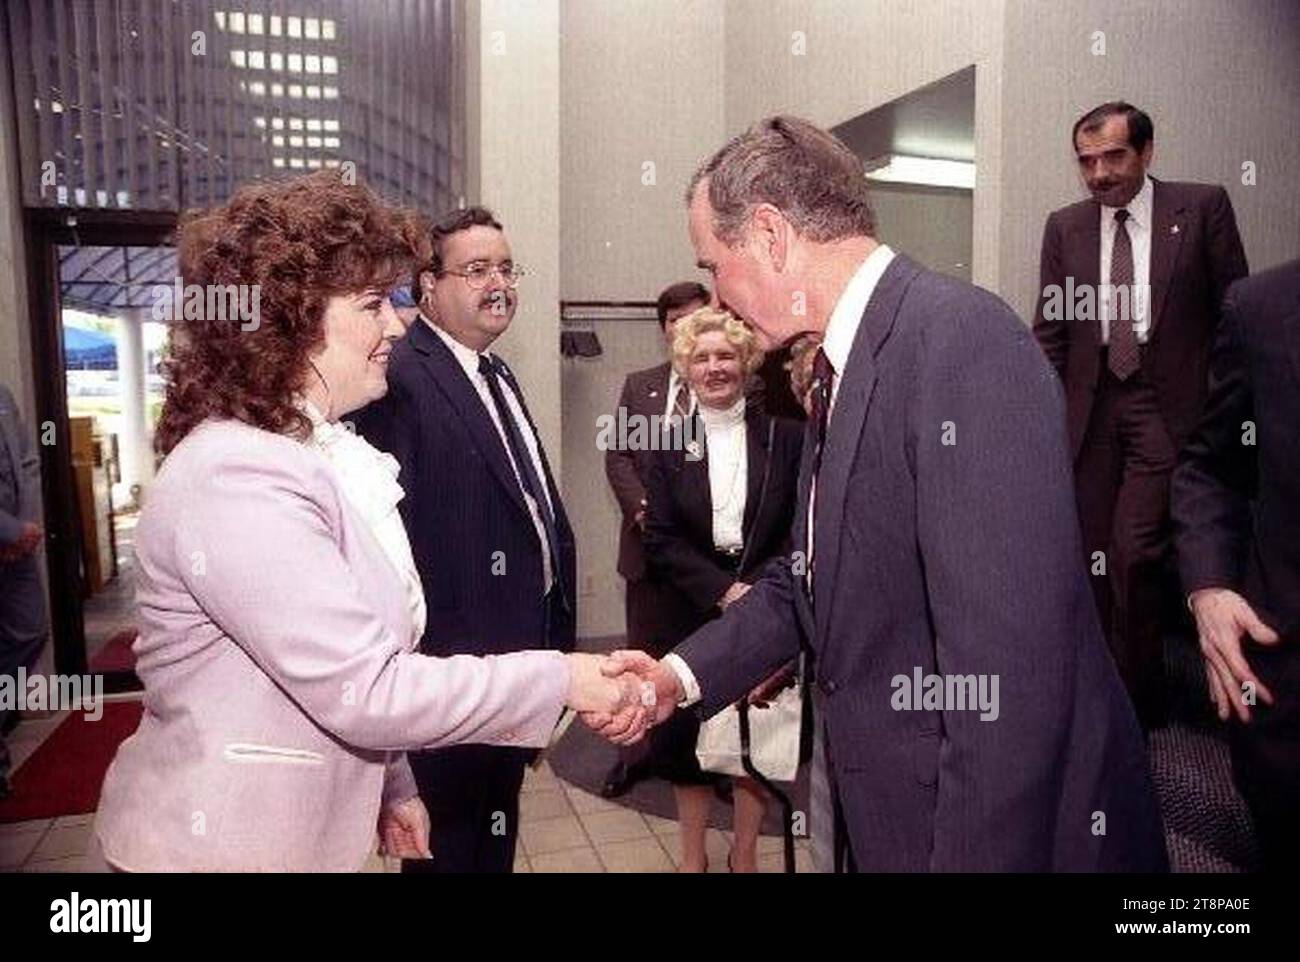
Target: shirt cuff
687,678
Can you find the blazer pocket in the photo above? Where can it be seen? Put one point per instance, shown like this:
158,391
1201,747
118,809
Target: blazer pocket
925,758
248,753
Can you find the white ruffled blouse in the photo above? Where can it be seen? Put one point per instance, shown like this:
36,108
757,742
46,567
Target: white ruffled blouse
368,477
724,439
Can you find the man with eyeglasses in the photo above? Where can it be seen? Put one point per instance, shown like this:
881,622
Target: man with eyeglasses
488,530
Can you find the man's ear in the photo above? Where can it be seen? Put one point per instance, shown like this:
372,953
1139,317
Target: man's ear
1148,153
770,236
427,284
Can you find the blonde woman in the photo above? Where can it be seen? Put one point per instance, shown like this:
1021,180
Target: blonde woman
715,516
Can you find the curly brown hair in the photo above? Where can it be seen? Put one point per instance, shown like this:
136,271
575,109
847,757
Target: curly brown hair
298,242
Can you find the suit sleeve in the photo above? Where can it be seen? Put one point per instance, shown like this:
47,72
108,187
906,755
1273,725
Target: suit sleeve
1227,256
1217,471
999,540
282,590
1052,334
753,638
27,472
620,468
669,552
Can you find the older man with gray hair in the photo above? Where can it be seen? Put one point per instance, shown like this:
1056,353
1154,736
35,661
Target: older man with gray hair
22,599
936,537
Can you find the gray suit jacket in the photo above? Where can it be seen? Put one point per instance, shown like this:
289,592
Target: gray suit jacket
20,472
947,541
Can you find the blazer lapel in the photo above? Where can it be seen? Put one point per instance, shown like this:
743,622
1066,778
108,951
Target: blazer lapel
450,378
1292,334
799,536
1088,261
756,455
1167,231
849,416
653,398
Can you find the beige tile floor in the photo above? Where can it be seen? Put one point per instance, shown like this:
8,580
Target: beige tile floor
562,829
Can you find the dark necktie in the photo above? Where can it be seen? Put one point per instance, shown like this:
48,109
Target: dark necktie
528,479
820,403
820,406
1124,355
682,401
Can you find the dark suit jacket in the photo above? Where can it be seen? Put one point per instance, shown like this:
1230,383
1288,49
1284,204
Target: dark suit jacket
645,393
474,543
1195,254
679,523
960,559
1236,507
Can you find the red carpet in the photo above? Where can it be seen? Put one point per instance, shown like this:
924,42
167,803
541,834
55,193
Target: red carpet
64,775
116,655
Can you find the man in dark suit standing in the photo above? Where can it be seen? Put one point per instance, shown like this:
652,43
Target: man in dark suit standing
1132,280
938,548
487,527
654,392
1236,511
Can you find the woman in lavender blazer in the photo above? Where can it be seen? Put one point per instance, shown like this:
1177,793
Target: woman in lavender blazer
278,605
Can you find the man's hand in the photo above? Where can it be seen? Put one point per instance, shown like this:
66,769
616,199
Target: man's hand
404,830
659,692
1222,617
598,687
767,689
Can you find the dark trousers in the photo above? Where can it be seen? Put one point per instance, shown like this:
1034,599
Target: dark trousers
1266,754
1122,487
472,794
22,631
472,791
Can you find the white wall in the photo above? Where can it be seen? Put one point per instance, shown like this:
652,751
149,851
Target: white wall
591,388
641,83
860,54
514,151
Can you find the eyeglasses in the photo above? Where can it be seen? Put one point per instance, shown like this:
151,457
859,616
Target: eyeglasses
478,275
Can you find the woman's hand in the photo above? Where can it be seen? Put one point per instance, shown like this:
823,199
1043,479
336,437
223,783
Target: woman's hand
600,687
404,830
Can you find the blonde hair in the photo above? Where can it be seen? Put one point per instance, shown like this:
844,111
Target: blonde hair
705,321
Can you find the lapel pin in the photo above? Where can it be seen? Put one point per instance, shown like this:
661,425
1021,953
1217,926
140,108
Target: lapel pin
1174,229
654,393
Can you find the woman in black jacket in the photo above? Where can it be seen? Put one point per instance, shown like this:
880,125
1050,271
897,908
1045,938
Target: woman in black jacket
719,508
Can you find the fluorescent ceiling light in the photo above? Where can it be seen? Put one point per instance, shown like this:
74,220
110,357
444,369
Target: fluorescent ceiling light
902,169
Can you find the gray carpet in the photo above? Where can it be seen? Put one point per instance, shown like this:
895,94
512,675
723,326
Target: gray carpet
1207,826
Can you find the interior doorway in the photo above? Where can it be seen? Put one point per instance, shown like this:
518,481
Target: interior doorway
99,393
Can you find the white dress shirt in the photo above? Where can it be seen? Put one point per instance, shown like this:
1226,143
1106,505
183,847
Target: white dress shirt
725,442
468,359
841,330
1139,231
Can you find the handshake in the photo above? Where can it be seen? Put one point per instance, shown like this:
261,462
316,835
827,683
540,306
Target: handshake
622,695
